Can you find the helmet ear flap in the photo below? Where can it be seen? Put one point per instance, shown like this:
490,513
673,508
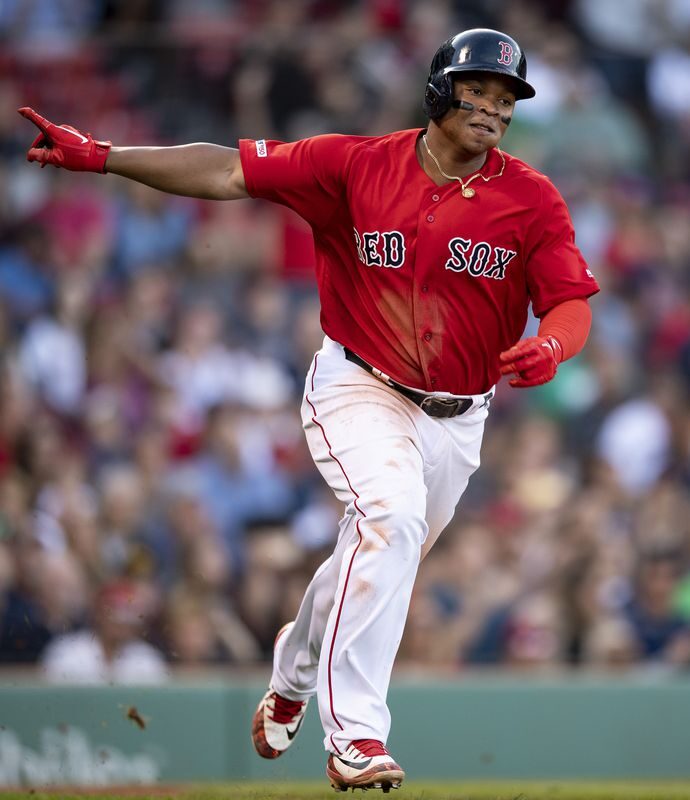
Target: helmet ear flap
439,89
438,96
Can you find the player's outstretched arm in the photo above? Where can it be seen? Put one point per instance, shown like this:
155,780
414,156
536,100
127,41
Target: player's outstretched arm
201,170
208,171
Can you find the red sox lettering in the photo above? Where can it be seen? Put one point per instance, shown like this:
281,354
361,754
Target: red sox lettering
482,259
381,249
387,249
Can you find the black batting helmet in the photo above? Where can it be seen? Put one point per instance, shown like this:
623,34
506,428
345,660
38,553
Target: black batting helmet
476,50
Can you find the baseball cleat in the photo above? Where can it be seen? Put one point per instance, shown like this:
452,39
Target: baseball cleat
277,720
366,764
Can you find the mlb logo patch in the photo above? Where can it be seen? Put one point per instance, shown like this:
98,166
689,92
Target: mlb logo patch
261,150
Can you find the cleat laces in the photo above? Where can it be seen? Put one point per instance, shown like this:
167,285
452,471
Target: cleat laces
370,747
284,710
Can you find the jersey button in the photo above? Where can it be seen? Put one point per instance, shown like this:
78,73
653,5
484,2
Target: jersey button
427,337
434,381
430,218
435,197
425,288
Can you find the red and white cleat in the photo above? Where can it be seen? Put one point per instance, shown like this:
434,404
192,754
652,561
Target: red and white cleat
366,764
277,720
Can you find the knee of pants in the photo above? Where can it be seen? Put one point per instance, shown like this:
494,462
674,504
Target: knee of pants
401,529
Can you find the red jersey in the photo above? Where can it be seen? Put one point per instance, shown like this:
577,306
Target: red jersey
424,284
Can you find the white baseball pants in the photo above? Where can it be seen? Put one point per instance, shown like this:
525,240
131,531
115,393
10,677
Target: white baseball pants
400,474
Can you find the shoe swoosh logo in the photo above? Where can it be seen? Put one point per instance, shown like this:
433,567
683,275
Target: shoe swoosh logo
291,734
355,764
84,140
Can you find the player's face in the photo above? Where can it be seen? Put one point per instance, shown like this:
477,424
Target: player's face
478,130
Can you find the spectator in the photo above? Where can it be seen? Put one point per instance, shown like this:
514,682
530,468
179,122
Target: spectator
26,282
150,229
123,522
201,630
611,644
48,598
635,440
661,635
112,650
51,354
239,480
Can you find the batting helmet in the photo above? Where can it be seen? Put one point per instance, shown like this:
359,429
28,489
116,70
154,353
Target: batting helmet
476,50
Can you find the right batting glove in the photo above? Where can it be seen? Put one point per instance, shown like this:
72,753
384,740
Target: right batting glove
532,361
65,146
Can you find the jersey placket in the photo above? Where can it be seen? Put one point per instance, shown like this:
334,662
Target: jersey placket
429,325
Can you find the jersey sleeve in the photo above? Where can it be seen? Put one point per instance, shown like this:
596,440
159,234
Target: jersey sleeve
307,176
556,270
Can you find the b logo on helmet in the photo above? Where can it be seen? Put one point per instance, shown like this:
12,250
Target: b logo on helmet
506,56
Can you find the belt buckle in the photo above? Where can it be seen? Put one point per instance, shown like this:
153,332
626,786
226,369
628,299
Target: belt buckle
444,407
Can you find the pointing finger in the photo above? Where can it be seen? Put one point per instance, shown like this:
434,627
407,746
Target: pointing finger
35,117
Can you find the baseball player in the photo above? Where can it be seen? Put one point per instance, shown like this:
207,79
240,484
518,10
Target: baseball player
430,246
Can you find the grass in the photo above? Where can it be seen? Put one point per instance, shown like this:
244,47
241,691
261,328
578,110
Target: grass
508,790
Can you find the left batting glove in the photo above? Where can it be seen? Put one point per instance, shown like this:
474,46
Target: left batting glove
533,361
65,146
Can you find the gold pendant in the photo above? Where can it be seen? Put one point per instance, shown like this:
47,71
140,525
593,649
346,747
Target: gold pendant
468,191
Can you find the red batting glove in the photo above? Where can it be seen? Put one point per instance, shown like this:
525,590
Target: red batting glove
65,146
534,361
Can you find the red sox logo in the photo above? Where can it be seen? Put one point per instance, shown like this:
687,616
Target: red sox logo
506,56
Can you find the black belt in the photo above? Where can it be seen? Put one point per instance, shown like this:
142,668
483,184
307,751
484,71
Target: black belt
433,406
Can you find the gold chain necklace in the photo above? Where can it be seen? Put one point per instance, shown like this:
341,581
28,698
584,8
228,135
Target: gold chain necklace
467,190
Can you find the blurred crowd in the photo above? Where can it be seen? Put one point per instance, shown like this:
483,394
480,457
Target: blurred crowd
159,511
